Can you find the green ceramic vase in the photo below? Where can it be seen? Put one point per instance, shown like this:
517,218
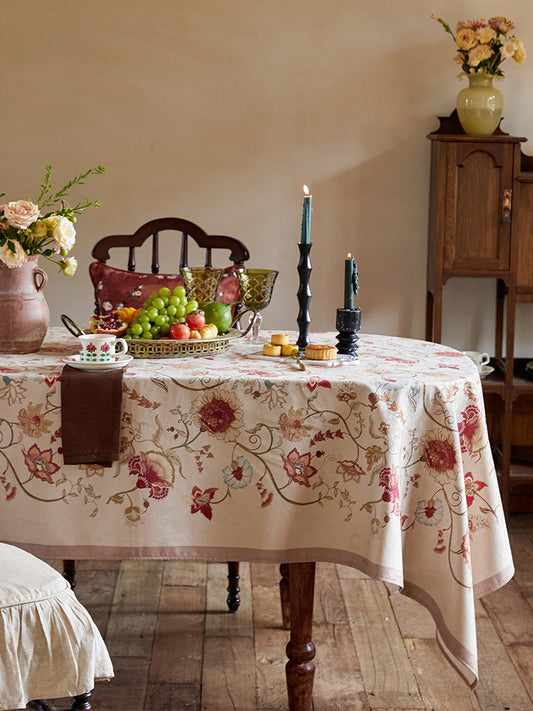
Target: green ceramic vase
479,106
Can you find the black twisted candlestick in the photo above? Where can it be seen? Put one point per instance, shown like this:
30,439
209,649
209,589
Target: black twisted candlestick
304,295
348,324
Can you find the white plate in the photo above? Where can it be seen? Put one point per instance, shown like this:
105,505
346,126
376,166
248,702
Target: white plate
341,359
485,370
120,362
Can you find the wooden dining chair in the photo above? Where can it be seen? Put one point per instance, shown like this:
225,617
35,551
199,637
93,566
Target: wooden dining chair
115,288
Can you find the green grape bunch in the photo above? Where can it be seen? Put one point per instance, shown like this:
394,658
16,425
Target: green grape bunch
161,310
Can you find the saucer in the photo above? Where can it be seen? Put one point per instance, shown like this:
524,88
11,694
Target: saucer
120,362
485,370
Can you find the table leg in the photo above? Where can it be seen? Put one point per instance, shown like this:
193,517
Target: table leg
284,596
233,600
300,670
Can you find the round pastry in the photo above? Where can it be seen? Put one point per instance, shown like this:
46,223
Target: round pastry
289,349
271,350
315,352
279,339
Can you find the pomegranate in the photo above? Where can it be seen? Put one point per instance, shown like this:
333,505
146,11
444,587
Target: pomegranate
111,325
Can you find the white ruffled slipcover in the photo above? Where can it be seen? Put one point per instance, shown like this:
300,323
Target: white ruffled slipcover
49,645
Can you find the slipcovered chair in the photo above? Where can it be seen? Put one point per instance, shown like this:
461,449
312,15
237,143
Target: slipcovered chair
49,644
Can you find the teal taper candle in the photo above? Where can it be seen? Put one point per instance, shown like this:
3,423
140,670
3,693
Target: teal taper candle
306,217
348,281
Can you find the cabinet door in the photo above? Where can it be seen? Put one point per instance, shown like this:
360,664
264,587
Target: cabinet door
477,230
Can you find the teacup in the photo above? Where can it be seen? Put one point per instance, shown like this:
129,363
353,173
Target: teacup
480,359
100,348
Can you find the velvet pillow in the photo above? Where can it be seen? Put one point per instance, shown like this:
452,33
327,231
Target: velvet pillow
115,288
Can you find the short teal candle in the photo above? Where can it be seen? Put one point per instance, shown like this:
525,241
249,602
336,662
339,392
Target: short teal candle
306,217
348,281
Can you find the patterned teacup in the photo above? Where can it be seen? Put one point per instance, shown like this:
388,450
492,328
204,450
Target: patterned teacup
99,348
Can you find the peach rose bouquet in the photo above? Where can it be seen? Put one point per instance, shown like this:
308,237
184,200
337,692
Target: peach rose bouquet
28,228
482,45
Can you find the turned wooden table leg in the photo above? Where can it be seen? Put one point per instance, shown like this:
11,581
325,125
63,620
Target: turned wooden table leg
69,572
82,702
300,670
233,600
284,596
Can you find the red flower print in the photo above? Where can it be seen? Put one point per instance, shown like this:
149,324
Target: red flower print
470,428
219,413
388,478
314,383
151,472
91,347
439,455
298,467
40,463
472,486
429,512
202,501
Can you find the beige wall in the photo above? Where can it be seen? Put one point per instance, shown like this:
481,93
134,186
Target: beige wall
220,110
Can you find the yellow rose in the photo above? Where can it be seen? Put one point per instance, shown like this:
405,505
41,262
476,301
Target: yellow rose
466,39
485,34
519,55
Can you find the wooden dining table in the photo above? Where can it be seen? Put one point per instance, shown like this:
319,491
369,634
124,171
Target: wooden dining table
382,463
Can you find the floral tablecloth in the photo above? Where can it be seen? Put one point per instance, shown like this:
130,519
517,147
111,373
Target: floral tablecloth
383,464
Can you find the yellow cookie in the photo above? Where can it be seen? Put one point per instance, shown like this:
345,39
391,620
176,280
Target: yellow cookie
271,350
279,339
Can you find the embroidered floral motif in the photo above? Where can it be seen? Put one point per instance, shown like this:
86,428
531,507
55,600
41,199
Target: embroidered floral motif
154,472
40,463
31,421
472,487
202,501
220,414
238,474
298,467
470,428
429,512
349,470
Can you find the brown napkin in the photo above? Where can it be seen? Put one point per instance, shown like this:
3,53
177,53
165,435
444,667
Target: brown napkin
91,411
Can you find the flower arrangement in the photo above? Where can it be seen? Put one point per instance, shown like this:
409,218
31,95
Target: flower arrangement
482,45
25,231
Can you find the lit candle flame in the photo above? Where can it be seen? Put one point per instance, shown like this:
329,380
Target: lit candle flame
306,190
349,255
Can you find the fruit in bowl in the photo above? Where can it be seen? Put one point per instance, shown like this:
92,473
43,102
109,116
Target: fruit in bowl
220,315
111,325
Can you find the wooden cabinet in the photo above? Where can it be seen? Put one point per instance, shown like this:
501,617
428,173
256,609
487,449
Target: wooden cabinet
481,225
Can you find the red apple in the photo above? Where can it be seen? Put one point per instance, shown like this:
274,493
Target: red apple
195,320
180,331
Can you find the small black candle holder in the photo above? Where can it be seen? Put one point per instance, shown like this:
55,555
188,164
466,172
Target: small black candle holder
304,295
348,324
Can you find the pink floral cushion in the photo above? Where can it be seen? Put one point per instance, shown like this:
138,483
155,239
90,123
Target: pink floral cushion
116,288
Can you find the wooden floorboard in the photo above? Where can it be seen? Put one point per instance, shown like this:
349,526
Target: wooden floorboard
175,646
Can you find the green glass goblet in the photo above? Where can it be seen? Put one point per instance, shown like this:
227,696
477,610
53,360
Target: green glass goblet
256,291
201,283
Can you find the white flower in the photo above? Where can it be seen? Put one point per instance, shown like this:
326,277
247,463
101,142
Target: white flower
63,232
13,259
69,266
